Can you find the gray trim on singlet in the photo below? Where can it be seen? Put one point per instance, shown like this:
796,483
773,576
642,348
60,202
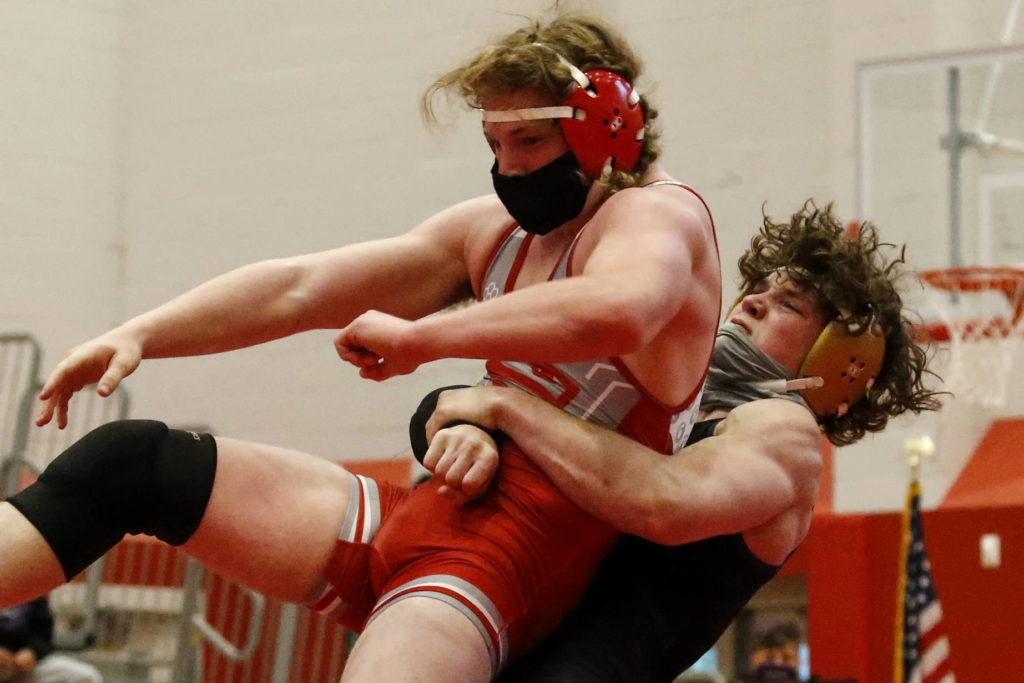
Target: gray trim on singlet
500,268
363,494
373,513
424,587
371,504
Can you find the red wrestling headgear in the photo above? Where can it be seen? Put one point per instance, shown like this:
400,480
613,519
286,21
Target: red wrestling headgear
601,119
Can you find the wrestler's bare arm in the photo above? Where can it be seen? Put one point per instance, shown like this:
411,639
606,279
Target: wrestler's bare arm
634,277
413,274
763,461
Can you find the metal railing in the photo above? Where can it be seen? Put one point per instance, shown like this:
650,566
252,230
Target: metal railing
290,643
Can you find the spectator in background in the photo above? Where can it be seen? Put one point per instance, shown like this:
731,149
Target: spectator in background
26,648
777,657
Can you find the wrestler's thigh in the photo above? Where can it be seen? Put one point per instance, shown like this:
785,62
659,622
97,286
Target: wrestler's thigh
28,568
273,517
419,639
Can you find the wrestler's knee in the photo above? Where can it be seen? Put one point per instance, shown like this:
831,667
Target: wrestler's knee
129,476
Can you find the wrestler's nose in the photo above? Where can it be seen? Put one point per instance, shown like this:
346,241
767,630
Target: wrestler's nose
511,164
753,306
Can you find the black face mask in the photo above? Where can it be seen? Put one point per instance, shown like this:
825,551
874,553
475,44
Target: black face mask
543,199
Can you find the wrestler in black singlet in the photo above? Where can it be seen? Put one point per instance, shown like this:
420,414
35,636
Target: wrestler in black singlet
651,611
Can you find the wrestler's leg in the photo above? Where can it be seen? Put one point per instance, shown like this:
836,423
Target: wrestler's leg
419,639
273,518
28,568
271,522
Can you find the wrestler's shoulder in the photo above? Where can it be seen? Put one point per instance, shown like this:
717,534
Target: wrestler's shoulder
667,200
472,227
483,212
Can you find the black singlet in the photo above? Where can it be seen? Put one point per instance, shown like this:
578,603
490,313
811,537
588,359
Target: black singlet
651,611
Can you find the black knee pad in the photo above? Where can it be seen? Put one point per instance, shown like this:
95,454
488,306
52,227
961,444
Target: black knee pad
130,476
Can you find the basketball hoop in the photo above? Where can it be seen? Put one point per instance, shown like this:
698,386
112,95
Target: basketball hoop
980,316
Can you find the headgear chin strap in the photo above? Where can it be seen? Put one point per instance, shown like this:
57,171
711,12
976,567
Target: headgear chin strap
847,363
601,119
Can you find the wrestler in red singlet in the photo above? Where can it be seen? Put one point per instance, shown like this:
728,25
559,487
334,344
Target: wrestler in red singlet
518,559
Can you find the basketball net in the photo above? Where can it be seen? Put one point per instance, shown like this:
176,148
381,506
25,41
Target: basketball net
979,325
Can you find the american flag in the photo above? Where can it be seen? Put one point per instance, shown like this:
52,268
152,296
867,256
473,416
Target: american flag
922,648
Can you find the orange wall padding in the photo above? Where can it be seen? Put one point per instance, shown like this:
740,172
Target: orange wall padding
994,476
853,563
838,615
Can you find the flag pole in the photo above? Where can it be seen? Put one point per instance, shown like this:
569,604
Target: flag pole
914,451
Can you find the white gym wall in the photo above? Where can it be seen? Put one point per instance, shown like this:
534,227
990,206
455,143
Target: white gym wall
150,145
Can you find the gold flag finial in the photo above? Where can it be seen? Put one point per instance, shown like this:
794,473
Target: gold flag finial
917,449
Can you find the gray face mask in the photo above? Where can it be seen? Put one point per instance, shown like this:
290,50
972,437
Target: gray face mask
739,371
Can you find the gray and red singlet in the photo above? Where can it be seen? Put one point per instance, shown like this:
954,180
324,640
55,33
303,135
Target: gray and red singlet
518,559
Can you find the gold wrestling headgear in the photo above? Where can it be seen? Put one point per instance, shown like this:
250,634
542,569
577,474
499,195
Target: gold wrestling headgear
847,363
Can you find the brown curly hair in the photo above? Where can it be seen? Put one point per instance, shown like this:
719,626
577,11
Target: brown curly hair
527,59
856,285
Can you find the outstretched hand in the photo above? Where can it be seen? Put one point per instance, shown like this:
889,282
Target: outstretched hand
377,344
104,361
465,457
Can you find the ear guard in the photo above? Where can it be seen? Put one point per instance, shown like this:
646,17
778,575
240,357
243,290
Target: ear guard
611,127
601,119
847,363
